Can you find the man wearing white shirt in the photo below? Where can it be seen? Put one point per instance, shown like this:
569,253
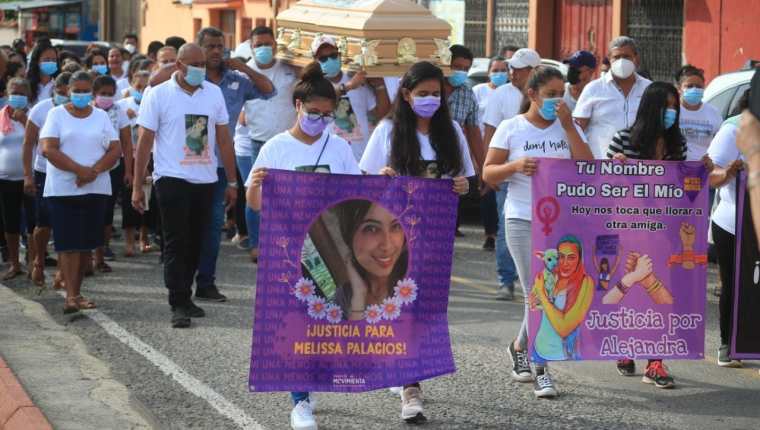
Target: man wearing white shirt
265,118
187,117
609,104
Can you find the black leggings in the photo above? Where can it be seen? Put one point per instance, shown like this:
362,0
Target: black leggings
11,202
725,248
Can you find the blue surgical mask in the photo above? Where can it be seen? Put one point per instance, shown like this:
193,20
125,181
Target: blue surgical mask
548,109
137,95
195,75
263,54
60,100
48,68
458,78
17,101
81,100
100,69
693,96
498,79
669,118
331,67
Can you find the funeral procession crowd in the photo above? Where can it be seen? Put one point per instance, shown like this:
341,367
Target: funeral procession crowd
170,149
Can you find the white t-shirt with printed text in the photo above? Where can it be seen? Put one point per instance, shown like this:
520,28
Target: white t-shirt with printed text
351,119
328,154
185,127
523,139
699,127
378,152
85,141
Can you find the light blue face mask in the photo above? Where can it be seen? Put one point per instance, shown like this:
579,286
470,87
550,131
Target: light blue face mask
498,78
548,109
331,67
100,69
263,54
48,68
693,96
458,78
81,100
195,75
669,118
18,101
3,102
60,100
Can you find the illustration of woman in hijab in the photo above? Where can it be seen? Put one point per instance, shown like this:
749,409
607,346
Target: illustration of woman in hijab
564,308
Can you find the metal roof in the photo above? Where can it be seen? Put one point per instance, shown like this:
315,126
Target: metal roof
34,4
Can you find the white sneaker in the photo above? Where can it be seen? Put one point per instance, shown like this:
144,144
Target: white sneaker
543,386
302,417
396,390
411,405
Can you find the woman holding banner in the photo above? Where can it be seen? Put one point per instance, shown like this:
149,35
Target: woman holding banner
655,135
544,129
305,147
415,140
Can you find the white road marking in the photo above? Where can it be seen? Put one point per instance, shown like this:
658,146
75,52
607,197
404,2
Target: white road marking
170,368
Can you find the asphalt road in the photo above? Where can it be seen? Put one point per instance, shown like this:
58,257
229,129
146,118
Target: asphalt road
480,395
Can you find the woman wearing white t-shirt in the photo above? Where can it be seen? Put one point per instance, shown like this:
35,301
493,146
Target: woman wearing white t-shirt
81,146
548,123
497,76
728,161
416,140
12,120
305,147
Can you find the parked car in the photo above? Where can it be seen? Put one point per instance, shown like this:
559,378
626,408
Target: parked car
79,47
479,71
724,91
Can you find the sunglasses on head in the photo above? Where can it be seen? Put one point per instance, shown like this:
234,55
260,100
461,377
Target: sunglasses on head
324,58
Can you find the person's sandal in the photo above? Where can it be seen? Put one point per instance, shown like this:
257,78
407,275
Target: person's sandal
147,248
70,305
38,275
58,283
12,273
104,268
84,303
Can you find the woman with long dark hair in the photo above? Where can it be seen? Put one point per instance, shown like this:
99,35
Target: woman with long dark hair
419,138
544,129
43,68
308,147
655,135
97,62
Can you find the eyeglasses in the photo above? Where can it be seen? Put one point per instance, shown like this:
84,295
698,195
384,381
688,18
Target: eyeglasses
324,58
316,116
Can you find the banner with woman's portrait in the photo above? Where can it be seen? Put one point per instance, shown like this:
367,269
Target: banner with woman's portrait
619,267
353,282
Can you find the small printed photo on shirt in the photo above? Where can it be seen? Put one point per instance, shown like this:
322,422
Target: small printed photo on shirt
431,170
322,168
196,138
346,125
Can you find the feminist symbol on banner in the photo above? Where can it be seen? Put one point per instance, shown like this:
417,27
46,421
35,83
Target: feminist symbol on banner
547,211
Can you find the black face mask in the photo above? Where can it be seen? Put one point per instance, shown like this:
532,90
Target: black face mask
573,75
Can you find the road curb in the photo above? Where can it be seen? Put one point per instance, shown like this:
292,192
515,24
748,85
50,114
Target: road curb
17,411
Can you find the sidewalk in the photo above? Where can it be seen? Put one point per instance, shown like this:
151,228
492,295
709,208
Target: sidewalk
65,384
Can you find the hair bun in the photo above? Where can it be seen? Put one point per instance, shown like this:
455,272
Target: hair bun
312,72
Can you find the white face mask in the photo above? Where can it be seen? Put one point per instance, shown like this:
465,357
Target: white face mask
622,68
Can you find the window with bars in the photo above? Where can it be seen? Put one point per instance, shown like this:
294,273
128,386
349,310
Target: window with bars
510,23
475,27
657,26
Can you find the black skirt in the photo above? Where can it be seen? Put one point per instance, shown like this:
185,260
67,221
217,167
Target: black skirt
78,221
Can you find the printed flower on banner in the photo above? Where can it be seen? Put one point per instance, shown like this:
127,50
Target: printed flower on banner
391,308
333,313
317,307
405,291
373,313
413,220
283,242
410,188
304,289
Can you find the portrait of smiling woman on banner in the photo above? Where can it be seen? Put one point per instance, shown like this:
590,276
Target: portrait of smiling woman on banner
356,254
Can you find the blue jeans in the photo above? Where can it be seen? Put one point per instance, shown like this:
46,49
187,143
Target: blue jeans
505,266
253,218
212,235
298,396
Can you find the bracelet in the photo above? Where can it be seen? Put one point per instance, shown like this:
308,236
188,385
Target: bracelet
620,286
654,287
753,180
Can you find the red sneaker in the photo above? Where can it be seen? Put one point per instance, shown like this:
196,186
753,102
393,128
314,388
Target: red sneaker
658,375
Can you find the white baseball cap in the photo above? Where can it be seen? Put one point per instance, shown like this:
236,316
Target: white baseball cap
322,40
523,58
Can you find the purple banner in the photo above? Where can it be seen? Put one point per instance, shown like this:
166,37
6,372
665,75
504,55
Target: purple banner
353,282
619,266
